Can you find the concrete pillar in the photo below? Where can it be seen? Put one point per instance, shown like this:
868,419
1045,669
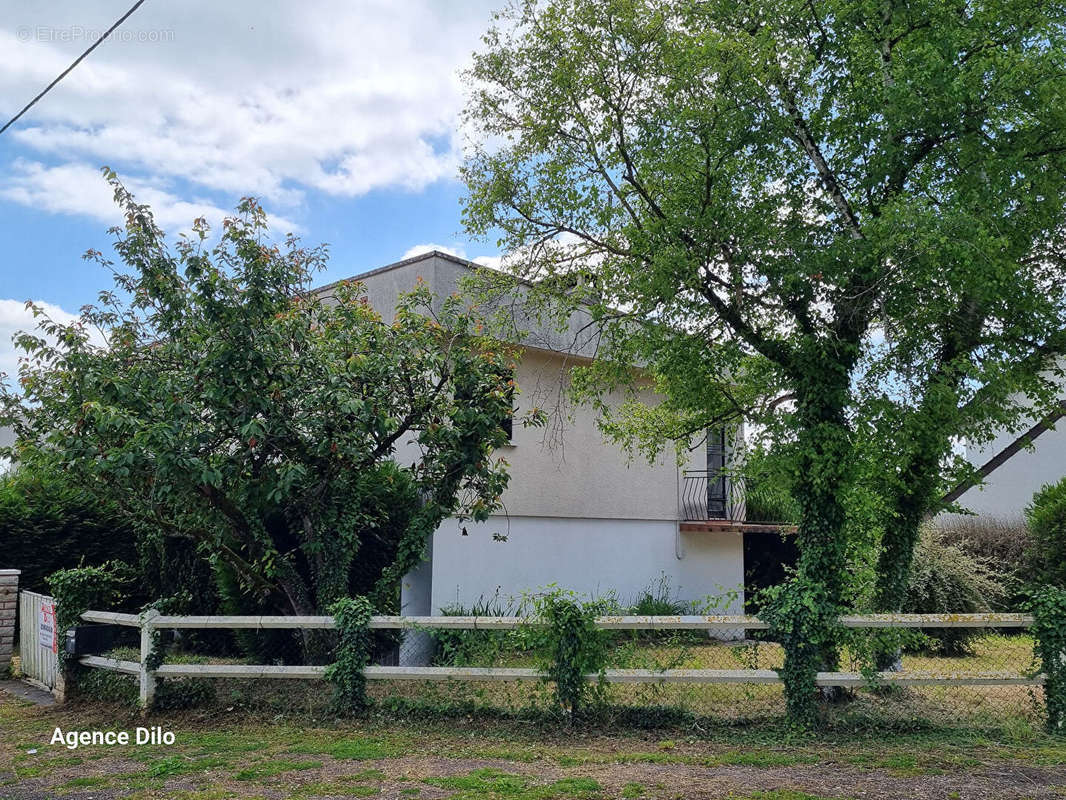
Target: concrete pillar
416,600
9,594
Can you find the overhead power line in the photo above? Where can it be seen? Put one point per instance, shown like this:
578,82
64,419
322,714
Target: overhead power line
66,72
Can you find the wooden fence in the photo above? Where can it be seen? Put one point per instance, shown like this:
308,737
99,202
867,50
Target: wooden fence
152,621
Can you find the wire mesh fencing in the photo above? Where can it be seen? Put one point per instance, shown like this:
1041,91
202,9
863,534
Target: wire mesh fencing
974,670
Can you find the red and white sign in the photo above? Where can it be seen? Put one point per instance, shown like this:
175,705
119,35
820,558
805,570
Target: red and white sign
46,627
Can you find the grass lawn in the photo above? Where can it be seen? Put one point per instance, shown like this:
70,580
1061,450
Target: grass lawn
234,753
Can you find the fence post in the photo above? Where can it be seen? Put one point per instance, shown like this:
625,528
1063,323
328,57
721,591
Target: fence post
147,693
9,592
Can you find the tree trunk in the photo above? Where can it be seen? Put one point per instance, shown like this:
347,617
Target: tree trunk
316,645
805,617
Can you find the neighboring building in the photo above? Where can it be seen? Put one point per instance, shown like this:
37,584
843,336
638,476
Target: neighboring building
1016,472
7,438
577,514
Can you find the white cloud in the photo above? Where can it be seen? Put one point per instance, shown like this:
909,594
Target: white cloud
419,249
78,188
246,97
493,262
15,317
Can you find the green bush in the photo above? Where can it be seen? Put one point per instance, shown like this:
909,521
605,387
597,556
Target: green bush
947,580
1002,544
47,524
353,654
1048,605
768,501
1046,553
659,600
569,646
465,648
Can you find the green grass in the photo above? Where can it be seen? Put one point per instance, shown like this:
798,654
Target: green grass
244,755
269,769
356,748
494,784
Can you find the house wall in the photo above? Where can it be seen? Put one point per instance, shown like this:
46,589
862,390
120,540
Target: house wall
569,469
577,513
1010,488
593,557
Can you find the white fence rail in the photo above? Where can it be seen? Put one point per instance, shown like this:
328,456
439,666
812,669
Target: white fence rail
151,621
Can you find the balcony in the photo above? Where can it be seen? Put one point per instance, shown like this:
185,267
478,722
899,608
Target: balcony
713,501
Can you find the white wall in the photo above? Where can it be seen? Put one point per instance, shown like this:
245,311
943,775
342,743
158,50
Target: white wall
590,556
570,469
1010,488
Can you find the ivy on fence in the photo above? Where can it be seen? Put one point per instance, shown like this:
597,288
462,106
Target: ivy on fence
352,615
571,647
1048,606
77,590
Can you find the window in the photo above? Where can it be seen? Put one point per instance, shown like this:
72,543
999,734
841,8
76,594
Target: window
716,494
507,423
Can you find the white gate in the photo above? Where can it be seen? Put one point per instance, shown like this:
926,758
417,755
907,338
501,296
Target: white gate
38,638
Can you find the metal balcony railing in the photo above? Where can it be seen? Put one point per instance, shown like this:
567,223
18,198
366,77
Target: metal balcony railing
712,494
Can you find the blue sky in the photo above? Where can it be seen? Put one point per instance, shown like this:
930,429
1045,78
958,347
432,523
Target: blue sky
343,117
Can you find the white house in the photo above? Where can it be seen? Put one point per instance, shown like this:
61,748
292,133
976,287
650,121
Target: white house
1018,465
576,513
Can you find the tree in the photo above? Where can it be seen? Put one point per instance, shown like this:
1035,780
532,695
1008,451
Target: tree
233,406
772,205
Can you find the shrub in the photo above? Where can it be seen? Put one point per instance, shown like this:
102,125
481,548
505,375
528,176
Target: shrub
768,501
47,523
946,580
464,648
1048,605
570,647
1001,543
659,600
353,654
1046,552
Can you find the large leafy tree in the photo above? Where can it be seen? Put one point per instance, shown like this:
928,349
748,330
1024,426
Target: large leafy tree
231,405
828,217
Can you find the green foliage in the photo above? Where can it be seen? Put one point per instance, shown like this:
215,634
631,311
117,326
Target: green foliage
806,625
1048,606
570,647
112,687
353,654
48,523
183,693
947,580
80,589
1003,544
1046,553
464,648
794,240
768,486
235,408
659,600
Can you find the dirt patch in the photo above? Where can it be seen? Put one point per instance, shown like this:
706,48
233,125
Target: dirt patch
402,775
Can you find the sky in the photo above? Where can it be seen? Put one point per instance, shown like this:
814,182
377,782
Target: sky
341,117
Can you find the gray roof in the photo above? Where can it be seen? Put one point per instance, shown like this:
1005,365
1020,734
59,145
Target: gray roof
517,320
